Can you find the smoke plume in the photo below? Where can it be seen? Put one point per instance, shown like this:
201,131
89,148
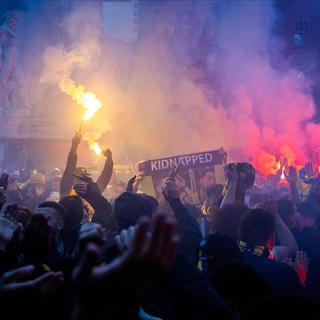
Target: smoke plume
200,76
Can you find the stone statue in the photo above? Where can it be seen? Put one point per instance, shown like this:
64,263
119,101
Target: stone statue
8,59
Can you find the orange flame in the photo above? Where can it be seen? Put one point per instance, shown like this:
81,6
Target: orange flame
96,148
85,99
91,103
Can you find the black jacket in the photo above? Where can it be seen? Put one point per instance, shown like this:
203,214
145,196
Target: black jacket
188,229
279,276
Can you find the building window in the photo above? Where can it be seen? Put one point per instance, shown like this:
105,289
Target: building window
301,25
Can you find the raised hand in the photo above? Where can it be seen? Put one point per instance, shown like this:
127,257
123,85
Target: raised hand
170,191
292,175
9,281
16,275
107,153
81,189
83,177
146,255
134,182
86,186
301,265
91,233
131,182
308,169
158,249
125,237
101,289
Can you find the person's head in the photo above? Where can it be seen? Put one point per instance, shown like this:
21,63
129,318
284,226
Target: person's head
56,173
79,172
74,210
288,212
307,215
37,181
130,207
226,221
75,213
56,184
220,249
207,179
54,212
257,227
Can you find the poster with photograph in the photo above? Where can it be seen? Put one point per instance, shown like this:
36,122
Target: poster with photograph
196,172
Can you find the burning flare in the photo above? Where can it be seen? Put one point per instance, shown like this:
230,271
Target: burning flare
96,148
86,100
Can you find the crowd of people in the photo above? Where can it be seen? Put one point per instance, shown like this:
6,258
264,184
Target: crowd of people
67,251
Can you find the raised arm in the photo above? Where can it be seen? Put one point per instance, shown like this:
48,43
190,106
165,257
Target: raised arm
232,186
187,226
287,244
67,178
292,178
105,176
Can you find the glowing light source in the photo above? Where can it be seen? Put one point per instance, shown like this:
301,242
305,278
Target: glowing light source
85,99
91,103
96,148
